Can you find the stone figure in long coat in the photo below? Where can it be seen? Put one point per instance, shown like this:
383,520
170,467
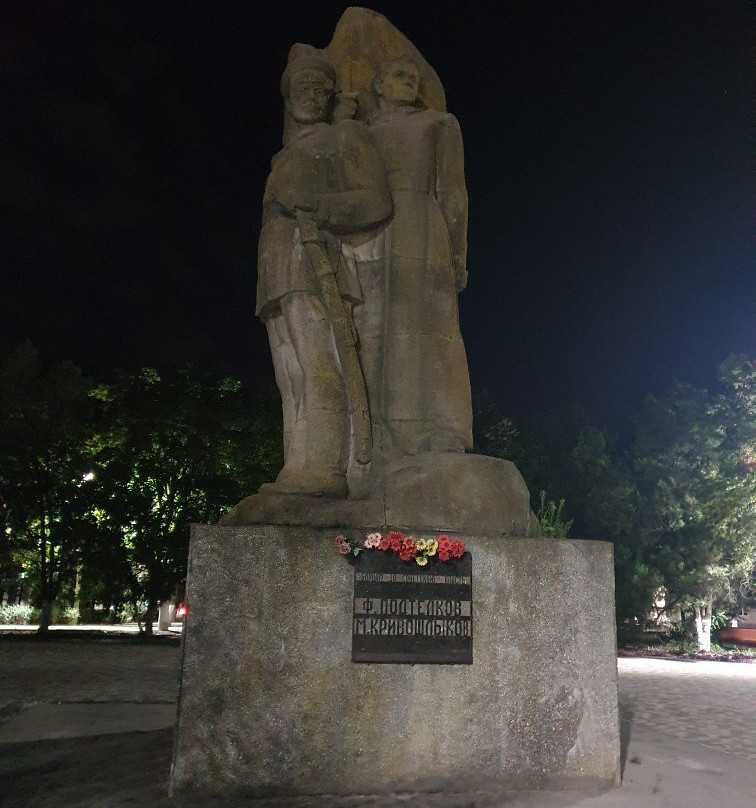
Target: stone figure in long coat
425,402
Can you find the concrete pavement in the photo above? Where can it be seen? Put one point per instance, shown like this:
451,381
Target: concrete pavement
114,629
86,724
707,703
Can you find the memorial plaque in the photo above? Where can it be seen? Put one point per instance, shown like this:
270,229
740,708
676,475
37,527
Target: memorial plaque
407,613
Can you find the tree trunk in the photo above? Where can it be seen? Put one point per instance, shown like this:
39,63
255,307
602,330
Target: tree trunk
77,593
45,615
165,613
149,617
702,622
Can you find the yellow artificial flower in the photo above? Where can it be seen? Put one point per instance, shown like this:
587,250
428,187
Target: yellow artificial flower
421,545
421,560
430,547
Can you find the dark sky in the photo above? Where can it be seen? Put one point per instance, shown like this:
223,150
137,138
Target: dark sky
607,167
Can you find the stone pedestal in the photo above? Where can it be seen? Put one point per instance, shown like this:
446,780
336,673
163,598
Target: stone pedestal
437,491
271,703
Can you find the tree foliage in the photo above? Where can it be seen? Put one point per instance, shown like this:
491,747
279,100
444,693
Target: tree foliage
494,434
47,418
99,483
677,497
175,450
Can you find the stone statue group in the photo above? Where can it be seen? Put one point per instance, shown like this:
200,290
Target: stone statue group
361,256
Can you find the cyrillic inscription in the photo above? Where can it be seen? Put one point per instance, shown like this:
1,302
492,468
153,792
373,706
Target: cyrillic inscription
406,614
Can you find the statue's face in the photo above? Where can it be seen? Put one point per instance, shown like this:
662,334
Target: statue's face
399,85
309,95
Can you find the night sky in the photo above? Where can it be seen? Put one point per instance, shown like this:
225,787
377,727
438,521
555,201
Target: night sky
607,152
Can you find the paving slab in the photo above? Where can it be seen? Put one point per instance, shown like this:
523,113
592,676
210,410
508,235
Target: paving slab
712,703
44,722
687,739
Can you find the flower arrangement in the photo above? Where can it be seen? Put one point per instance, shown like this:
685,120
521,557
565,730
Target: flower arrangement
421,550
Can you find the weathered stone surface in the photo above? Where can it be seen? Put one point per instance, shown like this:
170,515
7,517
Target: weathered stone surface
327,180
425,402
364,39
276,707
488,496
281,509
362,253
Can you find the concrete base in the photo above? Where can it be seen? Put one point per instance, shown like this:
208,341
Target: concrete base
271,703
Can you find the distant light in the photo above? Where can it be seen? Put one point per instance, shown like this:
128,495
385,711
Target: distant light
181,610
88,477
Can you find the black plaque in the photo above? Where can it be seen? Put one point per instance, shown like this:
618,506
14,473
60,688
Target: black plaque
407,613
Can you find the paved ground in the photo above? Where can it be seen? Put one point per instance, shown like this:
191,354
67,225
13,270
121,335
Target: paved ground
711,703
87,724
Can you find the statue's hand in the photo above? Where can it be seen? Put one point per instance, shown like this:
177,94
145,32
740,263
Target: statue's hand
294,199
346,107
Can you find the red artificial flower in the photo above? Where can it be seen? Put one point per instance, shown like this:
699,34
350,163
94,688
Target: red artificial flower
408,549
384,543
395,539
444,542
344,548
339,540
457,548
443,553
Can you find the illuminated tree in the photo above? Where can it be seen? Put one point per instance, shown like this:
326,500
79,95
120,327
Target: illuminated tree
693,462
678,499
178,449
99,484
47,419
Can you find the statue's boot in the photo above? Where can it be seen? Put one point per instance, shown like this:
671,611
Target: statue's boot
312,481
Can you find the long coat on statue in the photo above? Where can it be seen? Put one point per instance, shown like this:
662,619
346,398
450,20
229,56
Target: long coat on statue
426,402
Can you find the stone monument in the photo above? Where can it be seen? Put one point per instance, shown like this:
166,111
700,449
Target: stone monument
362,254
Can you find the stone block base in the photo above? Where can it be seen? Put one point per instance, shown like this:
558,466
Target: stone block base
271,703
441,491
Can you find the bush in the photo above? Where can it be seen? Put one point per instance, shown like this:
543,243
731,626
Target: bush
550,518
130,612
16,614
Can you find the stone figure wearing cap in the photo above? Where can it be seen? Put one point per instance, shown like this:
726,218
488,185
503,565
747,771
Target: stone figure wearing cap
326,182
362,255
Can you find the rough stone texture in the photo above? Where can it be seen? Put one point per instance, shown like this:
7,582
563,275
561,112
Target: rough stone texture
326,180
287,509
277,707
362,253
489,496
362,40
